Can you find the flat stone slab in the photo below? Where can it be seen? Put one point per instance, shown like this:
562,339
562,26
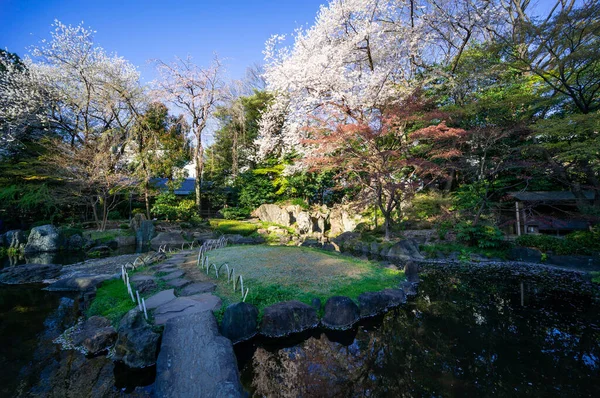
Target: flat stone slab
170,268
210,301
195,361
198,287
173,275
179,282
182,306
160,298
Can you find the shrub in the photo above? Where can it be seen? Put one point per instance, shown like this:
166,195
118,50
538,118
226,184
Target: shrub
481,235
428,207
581,242
138,211
186,209
67,232
124,226
114,215
235,213
169,207
300,202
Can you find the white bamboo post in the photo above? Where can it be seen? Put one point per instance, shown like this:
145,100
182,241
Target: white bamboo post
123,273
137,294
245,295
130,292
144,306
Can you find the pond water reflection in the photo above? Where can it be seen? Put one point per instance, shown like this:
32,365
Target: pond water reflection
469,332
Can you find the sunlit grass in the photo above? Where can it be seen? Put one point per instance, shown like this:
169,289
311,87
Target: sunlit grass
244,228
279,273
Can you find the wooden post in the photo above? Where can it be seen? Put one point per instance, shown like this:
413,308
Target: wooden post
518,219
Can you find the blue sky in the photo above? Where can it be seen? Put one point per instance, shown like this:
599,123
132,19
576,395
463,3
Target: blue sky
141,30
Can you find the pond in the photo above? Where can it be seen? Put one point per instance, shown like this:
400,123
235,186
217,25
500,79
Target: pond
30,319
469,332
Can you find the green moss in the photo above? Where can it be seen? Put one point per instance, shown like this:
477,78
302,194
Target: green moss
112,301
595,276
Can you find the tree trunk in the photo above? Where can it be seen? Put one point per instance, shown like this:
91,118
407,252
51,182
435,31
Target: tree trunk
95,212
198,153
147,199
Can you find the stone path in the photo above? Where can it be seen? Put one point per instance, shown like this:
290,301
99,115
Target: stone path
182,297
194,360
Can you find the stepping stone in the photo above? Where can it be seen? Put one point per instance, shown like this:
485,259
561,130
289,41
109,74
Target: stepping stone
160,298
198,287
167,267
181,306
173,275
179,282
209,301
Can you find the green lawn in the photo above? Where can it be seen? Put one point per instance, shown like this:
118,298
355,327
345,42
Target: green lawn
279,273
243,228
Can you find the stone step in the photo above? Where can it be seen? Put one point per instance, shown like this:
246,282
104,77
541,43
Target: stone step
179,282
160,298
183,306
173,275
198,287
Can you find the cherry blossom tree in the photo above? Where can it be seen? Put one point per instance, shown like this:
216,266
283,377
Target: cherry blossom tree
22,101
362,56
91,98
197,92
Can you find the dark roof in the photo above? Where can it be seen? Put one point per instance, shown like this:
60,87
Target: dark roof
549,196
187,185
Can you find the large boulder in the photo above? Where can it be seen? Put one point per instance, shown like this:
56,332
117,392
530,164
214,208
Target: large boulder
283,319
125,241
239,322
144,233
304,224
407,249
341,221
45,238
136,343
374,303
273,214
29,273
170,239
236,239
526,254
15,239
340,313
195,361
95,335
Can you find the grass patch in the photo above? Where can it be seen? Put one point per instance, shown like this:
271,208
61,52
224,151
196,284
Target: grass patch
465,251
595,276
244,228
108,235
280,273
112,301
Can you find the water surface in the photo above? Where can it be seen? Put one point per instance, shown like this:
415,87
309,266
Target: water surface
469,332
